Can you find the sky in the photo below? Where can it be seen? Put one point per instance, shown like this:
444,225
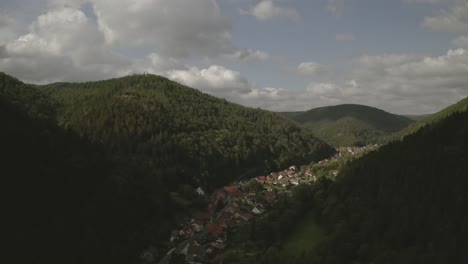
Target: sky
403,56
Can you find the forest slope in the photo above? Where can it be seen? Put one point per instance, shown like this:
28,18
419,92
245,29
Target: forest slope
180,133
403,203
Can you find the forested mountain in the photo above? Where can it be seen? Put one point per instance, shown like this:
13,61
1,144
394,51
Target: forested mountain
404,203
91,170
180,133
346,125
66,201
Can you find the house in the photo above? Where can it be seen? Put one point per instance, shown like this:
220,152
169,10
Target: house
261,179
293,168
294,182
200,191
275,175
218,200
222,221
215,230
202,217
256,211
219,195
245,216
284,182
232,208
174,235
217,245
197,227
233,191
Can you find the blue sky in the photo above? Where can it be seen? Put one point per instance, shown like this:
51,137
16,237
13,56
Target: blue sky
404,56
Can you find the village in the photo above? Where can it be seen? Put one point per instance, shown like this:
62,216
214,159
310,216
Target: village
203,238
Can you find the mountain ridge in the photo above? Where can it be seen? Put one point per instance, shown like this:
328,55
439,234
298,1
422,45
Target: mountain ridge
350,124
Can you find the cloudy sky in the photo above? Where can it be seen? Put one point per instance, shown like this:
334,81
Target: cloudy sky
404,56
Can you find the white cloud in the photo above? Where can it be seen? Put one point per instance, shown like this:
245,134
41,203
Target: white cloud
215,79
61,45
461,42
312,68
267,10
399,83
455,19
177,28
345,37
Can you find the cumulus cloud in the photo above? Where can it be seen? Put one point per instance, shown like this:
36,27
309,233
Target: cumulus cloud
65,44
215,79
178,28
399,83
312,68
412,83
455,19
61,45
267,10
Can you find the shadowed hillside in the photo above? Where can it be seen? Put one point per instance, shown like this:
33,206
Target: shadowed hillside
403,203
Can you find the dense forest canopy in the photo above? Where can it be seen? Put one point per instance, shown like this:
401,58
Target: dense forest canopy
88,167
347,125
182,133
403,203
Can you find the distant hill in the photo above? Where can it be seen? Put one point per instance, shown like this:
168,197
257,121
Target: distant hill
461,106
417,117
97,172
349,124
403,203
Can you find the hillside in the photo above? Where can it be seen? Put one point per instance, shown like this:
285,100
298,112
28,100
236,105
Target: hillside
106,169
347,125
180,132
404,203
461,106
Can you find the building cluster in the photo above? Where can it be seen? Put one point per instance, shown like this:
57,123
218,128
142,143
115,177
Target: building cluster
203,237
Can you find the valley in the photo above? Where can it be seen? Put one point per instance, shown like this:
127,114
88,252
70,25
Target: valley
234,131
204,237
145,179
